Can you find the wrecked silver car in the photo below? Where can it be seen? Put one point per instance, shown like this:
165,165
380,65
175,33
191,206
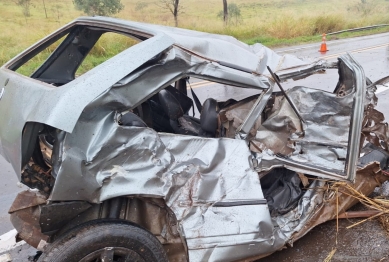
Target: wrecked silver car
121,169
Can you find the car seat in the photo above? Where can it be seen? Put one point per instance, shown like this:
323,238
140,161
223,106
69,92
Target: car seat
186,125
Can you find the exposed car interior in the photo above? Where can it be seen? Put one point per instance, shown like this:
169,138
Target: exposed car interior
171,110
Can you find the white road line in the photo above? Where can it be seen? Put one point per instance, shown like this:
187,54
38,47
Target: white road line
8,241
8,235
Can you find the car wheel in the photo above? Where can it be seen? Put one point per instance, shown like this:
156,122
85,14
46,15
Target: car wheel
105,241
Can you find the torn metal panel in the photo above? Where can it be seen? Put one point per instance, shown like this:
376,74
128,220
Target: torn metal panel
300,72
274,77
327,123
328,137
374,129
232,117
275,132
267,160
325,112
243,131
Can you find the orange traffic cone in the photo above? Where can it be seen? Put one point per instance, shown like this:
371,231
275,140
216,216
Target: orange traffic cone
323,47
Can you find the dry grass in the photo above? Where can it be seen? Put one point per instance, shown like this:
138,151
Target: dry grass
273,21
330,255
380,204
384,221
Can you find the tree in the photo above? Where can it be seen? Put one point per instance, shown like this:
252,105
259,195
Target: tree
99,7
225,12
233,11
25,5
174,7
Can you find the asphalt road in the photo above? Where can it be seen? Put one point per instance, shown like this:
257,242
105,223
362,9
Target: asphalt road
372,52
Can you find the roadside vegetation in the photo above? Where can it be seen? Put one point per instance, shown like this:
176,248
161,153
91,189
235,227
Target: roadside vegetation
270,22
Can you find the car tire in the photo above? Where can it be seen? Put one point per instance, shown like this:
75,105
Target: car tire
105,241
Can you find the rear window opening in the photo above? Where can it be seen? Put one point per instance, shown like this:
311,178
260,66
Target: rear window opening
34,63
108,45
73,53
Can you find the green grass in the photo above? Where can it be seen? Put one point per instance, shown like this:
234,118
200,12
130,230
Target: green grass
270,22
